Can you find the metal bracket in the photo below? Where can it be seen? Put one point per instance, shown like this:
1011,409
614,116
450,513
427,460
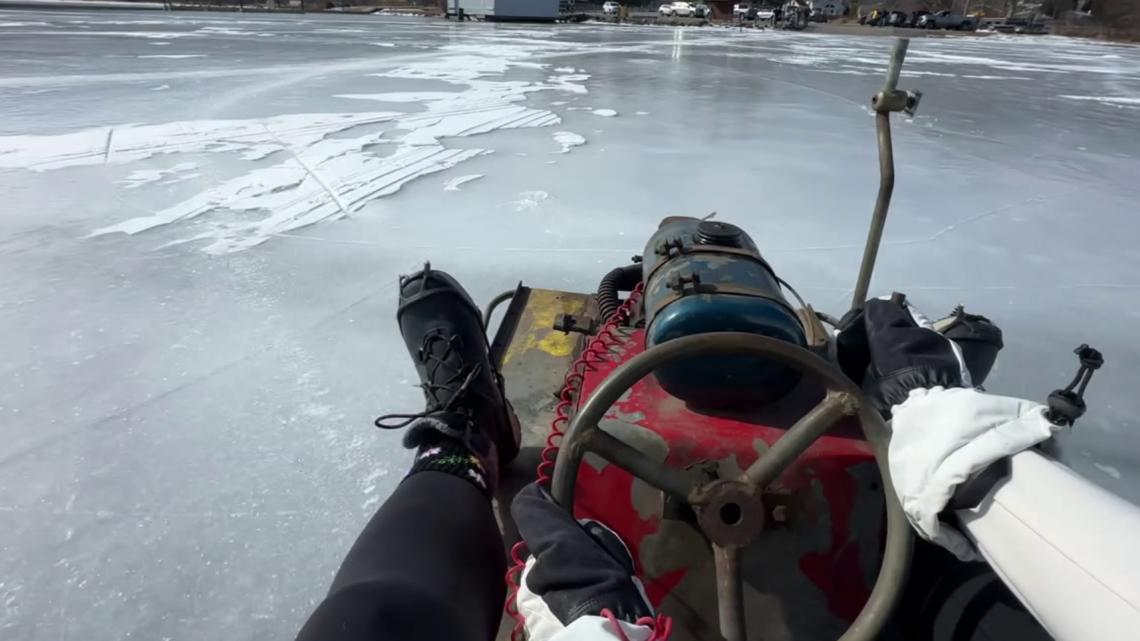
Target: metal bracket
677,282
897,100
567,323
666,247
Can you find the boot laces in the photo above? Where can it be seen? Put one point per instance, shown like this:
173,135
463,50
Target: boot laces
455,386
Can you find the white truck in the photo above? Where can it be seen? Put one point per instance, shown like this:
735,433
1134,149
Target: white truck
947,20
678,9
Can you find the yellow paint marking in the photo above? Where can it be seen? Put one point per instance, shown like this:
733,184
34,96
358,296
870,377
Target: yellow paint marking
542,307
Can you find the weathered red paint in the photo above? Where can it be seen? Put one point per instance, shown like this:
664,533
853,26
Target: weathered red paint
695,438
837,572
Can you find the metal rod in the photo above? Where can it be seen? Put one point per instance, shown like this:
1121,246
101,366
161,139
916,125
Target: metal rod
797,439
656,474
495,302
729,593
894,68
886,178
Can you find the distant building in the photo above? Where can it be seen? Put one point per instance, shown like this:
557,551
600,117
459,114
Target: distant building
830,8
509,10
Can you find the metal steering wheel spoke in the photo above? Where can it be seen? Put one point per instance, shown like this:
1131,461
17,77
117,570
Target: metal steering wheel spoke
799,438
659,475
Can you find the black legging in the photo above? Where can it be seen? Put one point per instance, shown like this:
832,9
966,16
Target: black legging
428,567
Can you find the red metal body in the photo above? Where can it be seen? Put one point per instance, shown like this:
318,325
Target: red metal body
819,550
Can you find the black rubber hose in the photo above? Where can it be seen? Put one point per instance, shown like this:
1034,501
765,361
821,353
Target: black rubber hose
620,279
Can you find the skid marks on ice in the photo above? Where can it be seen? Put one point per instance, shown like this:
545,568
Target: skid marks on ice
313,176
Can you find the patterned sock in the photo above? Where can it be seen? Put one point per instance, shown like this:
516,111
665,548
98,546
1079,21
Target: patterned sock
452,457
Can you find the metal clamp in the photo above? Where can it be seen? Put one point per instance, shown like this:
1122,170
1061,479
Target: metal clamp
897,100
567,323
666,247
677,282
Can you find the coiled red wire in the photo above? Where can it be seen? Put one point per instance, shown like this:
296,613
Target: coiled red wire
596,351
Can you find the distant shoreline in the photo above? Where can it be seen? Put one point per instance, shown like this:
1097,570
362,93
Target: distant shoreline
824,28
80,4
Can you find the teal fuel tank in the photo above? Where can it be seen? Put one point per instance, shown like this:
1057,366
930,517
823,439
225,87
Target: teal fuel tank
709,276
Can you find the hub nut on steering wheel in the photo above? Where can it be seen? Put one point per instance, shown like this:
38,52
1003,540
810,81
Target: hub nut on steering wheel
729,512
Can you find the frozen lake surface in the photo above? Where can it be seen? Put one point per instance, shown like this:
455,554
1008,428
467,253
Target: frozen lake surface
203,219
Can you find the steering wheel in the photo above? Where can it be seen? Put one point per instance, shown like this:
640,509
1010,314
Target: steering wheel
730,512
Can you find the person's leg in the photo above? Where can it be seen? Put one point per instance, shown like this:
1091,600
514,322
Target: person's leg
429,566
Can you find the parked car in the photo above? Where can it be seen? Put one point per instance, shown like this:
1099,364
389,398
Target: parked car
684,9
947,20
1019,25
765,15
665,10
740,11
896,19
702,11
611,8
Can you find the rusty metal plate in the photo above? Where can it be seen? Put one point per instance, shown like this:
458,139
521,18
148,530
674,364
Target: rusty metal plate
534,358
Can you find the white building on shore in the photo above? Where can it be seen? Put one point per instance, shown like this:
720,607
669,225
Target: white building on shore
830,8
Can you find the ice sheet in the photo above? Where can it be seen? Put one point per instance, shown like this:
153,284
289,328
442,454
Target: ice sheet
185,403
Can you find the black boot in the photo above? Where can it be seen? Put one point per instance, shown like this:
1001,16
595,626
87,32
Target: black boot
443,330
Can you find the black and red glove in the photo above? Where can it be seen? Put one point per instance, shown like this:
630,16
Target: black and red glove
578,583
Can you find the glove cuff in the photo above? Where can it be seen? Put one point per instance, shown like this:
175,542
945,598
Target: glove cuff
891,390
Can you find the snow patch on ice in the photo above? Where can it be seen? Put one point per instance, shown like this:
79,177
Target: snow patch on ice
1118,101
174,56
148,35
134,142
160,88
1108,469
938,74
384,44
317,173
568,140
167,176
530,200
569,83
398,96
454,183
605,113
641,113
985,77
